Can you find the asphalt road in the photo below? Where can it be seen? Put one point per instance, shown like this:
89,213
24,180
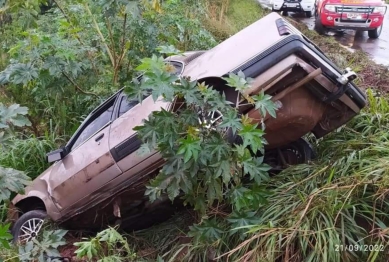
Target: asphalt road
378,49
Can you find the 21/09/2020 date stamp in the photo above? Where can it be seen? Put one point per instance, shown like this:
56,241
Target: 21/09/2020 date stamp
363,248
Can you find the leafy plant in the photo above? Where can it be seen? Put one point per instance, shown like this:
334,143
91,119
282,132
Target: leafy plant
45,249
205,163
11,180
5,237
108,246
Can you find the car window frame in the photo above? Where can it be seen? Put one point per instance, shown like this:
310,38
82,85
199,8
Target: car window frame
93,116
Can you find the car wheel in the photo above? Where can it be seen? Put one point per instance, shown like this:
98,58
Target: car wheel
28,226
285,13
297,152
308,14
211,120
375,33
319,26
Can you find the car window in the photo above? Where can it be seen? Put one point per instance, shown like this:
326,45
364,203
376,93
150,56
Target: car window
100,121
126,104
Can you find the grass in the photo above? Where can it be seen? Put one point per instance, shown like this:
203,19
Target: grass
29,154
227,17
242,13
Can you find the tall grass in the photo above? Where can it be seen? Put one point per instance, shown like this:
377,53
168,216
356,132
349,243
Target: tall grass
28,153
317,210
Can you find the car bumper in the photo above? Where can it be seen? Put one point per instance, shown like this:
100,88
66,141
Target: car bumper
293,7
333,20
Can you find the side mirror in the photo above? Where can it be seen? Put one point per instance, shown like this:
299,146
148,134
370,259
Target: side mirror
56,155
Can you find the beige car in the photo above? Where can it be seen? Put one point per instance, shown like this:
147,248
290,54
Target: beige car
99,178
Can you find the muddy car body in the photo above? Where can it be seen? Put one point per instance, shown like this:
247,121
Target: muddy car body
361,15
99,177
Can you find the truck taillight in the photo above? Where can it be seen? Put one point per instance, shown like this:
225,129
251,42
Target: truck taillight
380,9
330,8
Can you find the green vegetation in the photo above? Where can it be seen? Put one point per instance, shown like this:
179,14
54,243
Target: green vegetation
62,63
227,17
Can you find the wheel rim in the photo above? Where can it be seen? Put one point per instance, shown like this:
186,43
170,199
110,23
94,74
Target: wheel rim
210,120
293,156
30,229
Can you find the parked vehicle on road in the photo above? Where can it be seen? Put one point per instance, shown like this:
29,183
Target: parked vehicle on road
98,177
296,6
361,15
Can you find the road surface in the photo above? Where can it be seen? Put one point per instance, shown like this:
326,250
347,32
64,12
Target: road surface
378,49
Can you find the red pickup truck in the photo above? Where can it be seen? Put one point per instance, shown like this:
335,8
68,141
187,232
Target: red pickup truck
361,15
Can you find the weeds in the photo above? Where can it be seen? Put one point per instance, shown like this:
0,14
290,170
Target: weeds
29,153
108,245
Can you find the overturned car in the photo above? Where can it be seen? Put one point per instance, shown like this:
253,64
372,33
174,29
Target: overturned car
98,176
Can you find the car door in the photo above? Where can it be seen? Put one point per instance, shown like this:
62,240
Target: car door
88,165
123,139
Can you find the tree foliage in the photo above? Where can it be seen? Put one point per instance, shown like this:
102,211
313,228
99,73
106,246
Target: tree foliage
11,180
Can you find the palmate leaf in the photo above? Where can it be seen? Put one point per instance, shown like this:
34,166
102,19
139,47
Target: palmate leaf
40,250
152,64
236,196
217,148
190,147
5,236
214,191
55,65
23,73
223,169
134,90
191,94
252,136
239,81
11,180
249,197
14,114
89,249
110,235
209,231
264,104
240,220
257,170
231,120
161,84
148,131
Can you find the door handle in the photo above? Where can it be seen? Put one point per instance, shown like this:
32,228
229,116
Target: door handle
97,139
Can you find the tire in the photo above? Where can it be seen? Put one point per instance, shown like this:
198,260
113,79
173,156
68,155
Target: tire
36,219
308,14
319,26
295,153
375,33
285,13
